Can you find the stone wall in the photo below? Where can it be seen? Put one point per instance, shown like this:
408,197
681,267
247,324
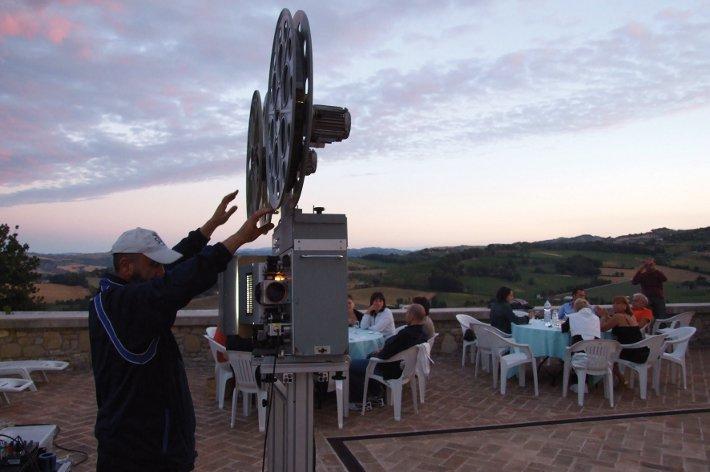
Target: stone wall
65,335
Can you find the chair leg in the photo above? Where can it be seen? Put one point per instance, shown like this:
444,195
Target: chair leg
220,390
643,381
216,382
521,375
261,410
534,371
234,408
476,362
494,367
610,378
503,377
474,351
565,378
421,381
414,396
246,403
7,400
463,355
581,382
631,378
339,399
44,374
657,377
397,398
682,367
364,394
346,395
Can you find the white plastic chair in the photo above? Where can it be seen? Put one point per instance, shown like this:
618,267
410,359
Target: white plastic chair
677,340
408,363
15,385
245,382
424,363
466,321
210,331
25,368
595,357
340,387
520,355
222,372
487,346
678,321
655,345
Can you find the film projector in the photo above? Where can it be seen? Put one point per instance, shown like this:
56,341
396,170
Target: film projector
294,302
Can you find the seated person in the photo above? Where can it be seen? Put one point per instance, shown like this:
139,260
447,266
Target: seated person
639,307
582,323
409,336
354,316
428,323
502,313
626,330
567,308
378,316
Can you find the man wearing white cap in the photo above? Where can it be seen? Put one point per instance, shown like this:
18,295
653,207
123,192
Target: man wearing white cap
145,418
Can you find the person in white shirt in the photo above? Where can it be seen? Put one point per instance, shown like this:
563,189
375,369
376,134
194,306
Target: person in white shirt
583,323
378,316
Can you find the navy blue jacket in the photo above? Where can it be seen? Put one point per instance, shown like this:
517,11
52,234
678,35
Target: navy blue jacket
145,418
407,337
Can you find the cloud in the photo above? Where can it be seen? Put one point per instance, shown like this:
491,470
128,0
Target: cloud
99,97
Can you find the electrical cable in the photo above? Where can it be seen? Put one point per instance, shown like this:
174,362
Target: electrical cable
268,403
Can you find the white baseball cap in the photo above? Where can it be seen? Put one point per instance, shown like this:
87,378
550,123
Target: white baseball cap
146,242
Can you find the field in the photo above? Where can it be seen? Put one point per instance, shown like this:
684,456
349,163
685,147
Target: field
55,292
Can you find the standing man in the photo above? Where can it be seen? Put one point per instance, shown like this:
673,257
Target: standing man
651,280
145,419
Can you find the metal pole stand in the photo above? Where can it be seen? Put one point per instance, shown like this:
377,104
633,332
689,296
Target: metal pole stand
290,442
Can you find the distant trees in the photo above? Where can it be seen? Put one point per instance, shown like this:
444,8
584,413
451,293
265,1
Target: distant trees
444,282
17,272
77,279
578,265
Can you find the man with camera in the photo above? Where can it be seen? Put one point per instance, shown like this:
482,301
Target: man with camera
145,418
651,280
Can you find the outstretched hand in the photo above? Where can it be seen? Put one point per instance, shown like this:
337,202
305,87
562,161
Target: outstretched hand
250,229
221,214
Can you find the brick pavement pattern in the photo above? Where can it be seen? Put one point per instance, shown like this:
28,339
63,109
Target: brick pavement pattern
455,399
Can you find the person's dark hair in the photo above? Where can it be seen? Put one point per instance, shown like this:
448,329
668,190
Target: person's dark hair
576,289
350,297
423,301
378,296
503,293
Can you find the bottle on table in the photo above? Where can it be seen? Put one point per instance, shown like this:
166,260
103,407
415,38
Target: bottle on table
547,310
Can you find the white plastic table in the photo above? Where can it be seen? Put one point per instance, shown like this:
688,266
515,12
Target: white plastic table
363,341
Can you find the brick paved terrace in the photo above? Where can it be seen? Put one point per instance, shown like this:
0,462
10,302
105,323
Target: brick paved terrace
464,425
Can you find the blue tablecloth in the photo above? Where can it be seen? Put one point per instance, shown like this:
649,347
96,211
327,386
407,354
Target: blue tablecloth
363,341
544,341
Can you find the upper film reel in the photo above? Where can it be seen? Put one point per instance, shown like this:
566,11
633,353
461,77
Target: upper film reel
288,109
256,162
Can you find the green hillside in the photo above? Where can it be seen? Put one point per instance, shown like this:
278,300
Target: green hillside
464,276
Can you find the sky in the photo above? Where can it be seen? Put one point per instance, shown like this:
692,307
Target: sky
473,122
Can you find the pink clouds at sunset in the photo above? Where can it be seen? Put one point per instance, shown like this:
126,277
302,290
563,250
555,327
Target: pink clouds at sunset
469,103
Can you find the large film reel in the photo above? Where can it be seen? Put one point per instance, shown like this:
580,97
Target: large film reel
256,162
291,122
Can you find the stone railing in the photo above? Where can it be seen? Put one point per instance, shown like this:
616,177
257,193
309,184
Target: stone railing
65,335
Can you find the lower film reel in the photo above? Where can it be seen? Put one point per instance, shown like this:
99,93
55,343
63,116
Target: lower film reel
256,161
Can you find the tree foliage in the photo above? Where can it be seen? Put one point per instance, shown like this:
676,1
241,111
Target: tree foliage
17,272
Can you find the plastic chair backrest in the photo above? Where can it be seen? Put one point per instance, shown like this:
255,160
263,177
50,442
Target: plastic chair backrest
682,335
600,353
243,370
215,347
682,319
431,340
654,344
408,359
210,331
466,321
493,338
